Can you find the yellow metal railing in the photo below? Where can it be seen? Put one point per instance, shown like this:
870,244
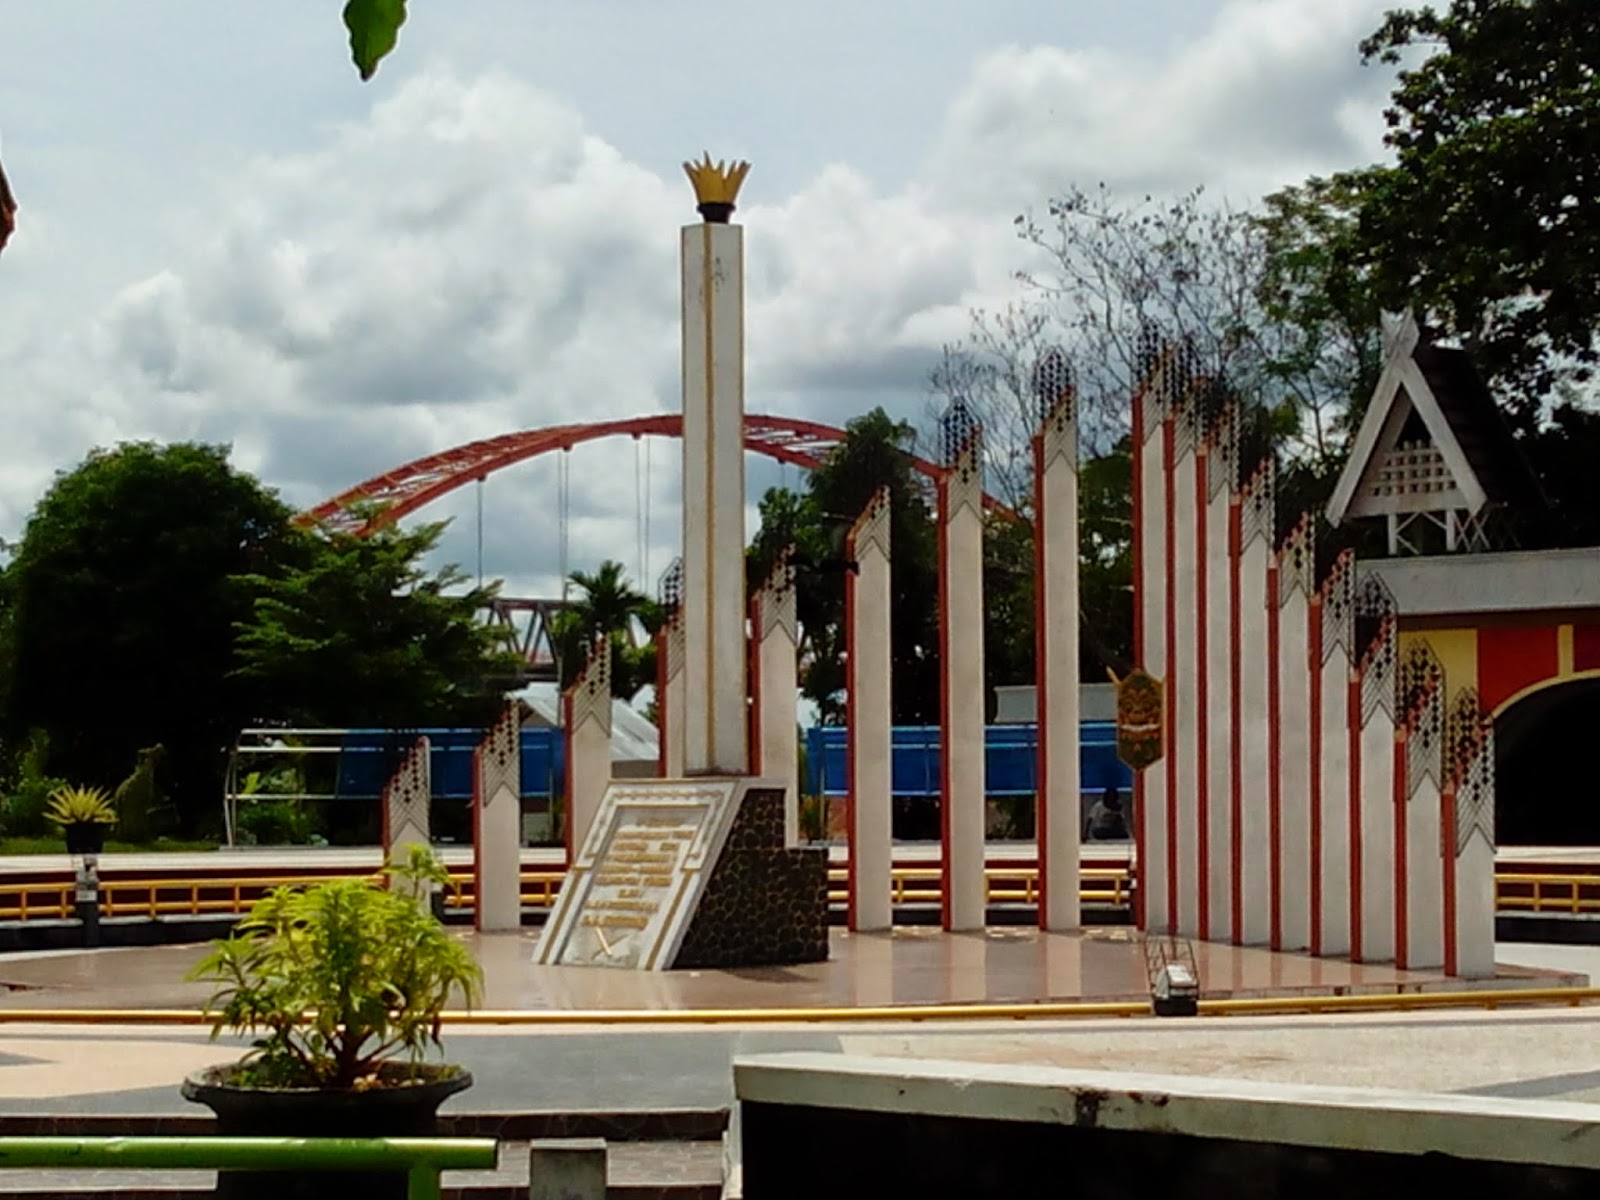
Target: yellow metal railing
1524,891
1519,891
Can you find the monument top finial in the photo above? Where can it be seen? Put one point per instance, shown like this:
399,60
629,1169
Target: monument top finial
716,186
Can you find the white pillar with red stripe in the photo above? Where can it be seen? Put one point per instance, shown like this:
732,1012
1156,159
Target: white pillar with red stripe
868,663
497,825
1469,894
1374,851
1055,481
1252,728
1293,868
1331,767
776,634
1185,762
587,714
1221,850
963,799
1419,942
1152,439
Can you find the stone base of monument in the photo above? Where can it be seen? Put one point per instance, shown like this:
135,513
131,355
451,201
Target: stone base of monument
690,873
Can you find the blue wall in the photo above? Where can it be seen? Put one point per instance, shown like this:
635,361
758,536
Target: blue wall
1010,759
368,758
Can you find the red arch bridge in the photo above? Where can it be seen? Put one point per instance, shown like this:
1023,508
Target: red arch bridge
397,493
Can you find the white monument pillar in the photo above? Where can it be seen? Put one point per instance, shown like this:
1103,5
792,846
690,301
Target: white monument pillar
1331,777
1293,719
1218,714
715,733
587,711
1152,449
497,825
1469,865
670,707
1253,730
1419,943
963,799
407,800
1058,804
1373,868
775,631
868,662
1184,763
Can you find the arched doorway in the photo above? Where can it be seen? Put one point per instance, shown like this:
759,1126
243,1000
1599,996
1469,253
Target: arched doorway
1547,788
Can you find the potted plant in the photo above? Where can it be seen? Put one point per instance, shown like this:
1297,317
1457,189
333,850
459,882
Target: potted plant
84,814
344,982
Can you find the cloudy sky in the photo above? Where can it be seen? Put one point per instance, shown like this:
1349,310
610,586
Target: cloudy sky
225,236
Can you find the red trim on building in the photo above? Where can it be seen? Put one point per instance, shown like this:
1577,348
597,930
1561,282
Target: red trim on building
1314,774
1041,679
1274,762
1402,931
1353,720
1235,738
1510,659
1586,647
1202,722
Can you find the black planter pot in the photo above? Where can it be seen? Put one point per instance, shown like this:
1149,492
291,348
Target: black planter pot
88,837
408,1108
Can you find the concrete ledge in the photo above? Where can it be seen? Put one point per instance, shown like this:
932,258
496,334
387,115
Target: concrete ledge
1536,1133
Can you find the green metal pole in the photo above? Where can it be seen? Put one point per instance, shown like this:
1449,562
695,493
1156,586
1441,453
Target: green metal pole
260,1154
423,1183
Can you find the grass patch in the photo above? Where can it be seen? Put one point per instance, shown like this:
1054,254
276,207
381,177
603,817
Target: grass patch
55,845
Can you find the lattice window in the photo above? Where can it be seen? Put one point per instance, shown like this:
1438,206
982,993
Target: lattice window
1410,469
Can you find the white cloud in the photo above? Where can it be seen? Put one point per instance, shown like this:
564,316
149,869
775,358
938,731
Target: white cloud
471,259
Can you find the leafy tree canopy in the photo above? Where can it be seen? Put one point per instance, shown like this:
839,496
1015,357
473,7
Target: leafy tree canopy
609,607
356,632
118,626
1489,222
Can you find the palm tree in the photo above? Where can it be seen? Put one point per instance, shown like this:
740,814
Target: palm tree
609,607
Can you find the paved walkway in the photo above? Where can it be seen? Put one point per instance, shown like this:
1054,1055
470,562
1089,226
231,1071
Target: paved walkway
913,965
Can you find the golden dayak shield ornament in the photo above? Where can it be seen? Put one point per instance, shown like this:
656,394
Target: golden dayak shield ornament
1141,719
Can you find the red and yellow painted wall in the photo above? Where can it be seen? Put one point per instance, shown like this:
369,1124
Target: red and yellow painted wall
1506,662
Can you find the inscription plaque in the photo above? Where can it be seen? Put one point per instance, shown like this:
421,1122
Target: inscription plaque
636,884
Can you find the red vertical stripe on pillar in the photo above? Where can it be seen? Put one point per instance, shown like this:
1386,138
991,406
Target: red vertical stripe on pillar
1235,744
1274,762
1167,455
663,713
1041,678
1314,777
945,871
566,776
1402,931
1140,917
1201,714
752,654
852,746
1447,850
1353,722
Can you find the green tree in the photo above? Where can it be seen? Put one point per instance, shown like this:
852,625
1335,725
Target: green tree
874,452
1488,222
357,632
374,27
118,624
609,607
